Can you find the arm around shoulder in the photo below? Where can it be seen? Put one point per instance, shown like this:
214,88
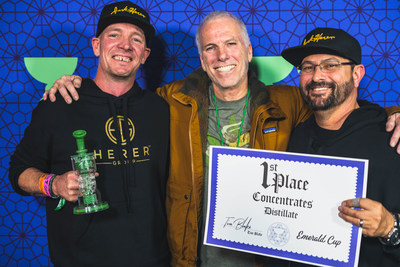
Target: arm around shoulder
167,90
392,110
392,124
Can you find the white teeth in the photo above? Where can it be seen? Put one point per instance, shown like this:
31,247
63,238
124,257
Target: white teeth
321,89
225,68
125,59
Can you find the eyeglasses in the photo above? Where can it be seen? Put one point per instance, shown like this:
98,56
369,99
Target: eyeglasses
325,67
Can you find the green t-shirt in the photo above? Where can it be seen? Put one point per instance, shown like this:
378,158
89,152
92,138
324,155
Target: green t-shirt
230,114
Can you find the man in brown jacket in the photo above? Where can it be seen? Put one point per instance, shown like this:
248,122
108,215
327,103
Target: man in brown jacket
221,104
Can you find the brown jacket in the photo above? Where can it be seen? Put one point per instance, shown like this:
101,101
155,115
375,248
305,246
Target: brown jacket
278,107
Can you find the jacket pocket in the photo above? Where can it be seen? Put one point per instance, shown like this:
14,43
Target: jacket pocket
179,221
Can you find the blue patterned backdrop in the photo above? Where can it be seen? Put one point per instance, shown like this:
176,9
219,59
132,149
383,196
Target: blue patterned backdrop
50,28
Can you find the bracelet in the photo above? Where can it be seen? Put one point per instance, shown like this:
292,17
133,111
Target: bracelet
51,187
46,187
391,231
393,238
41,183
47,184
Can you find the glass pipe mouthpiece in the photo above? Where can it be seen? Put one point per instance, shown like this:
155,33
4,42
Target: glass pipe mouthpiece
80,142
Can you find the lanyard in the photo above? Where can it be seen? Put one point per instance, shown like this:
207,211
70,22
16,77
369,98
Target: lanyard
241,124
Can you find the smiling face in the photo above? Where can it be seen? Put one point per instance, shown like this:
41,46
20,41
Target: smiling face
323,91
224,55
121,49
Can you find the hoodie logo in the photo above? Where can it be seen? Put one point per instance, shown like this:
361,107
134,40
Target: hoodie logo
113,129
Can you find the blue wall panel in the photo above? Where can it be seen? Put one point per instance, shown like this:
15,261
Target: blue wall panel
40,28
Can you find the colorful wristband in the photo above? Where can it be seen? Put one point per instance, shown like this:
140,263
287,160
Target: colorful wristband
46,184
41,183
51,187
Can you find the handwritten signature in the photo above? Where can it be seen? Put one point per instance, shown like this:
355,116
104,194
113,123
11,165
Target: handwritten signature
238,223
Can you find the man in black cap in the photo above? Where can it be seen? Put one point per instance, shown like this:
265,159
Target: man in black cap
128,132
329,61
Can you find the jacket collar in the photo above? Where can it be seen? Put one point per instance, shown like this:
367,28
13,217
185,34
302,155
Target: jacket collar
196,86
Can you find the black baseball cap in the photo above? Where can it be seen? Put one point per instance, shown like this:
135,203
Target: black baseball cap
128,12
325,41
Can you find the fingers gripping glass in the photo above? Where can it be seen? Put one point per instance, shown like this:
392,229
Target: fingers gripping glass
325,67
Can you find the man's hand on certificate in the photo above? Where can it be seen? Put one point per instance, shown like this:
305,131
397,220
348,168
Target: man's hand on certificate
373,217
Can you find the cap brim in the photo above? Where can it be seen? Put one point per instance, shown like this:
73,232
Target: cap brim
295,55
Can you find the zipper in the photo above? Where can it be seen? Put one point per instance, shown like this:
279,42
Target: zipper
191,162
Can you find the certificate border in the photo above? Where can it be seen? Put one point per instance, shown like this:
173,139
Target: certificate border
360,190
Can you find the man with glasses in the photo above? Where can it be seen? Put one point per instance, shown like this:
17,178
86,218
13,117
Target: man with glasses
330,67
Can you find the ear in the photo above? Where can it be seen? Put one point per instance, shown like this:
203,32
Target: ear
96,46
250,53
358,74
146,55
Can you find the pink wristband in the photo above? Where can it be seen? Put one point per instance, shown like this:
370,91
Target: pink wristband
46,184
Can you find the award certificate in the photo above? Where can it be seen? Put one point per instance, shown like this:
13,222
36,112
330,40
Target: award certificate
284,205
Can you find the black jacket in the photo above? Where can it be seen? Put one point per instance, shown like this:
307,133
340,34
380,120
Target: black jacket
133,174
362,135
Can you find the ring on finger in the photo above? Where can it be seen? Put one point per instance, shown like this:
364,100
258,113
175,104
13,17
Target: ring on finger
361,223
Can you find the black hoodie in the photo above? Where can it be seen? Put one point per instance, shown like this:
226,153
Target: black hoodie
362,135
133,174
